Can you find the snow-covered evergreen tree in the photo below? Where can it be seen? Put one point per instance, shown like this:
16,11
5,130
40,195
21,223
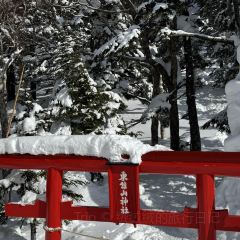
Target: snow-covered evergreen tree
84,104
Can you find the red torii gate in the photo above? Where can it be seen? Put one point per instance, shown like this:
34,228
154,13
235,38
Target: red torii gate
124,204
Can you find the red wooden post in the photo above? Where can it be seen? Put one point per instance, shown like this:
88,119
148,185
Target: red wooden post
206,207
54,198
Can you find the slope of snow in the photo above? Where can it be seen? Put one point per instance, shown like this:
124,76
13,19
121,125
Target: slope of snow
111,147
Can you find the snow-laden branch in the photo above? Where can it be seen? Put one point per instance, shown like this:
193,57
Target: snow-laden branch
120,41
90,7
181,33
142,99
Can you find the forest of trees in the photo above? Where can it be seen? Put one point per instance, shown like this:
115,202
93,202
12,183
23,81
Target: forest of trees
68,66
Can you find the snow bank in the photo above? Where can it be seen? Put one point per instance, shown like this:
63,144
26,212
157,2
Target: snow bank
233,92
111,147
232,144
157,103
228,193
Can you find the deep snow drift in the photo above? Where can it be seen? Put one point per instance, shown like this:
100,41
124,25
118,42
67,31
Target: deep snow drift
111,147
232,144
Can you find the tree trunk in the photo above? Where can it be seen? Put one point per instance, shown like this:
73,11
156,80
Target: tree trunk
155,74
162,132
33,87
7,93
33,227
155,120
237,16
3,115
174,118
162,128
4,127
154,130
10,83
195,144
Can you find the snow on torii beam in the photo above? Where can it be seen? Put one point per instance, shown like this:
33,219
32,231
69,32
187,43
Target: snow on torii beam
124,190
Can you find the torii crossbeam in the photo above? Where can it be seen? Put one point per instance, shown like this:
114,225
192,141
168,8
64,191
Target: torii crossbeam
124,198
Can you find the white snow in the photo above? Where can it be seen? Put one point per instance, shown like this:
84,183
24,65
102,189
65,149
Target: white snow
158,102
184,24
159,5
238,54
155,8
237,45
120,41
60,20
5,183
111,147
64,98
29,124
232,89
232,92
168,32
60,128
37,108
228,193
232,143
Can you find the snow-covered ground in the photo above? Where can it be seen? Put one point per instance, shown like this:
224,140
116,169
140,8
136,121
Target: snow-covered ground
210,101
167,192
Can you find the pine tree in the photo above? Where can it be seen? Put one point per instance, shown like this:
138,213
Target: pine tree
82,103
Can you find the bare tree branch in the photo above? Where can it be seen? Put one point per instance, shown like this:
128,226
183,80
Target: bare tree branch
15,101
180,33
140,98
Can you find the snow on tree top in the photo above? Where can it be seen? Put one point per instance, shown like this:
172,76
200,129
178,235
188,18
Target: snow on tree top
111,147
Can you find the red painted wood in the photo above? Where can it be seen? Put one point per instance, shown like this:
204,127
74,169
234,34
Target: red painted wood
216,163
68,212
100,214
191,168
227,222
36,210
206,207
170,156
186,219
203,164
54,199
61,162
124,198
